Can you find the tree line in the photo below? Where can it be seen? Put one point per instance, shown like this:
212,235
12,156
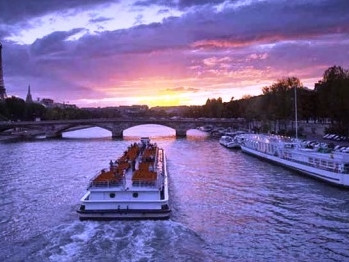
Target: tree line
16,109
328,101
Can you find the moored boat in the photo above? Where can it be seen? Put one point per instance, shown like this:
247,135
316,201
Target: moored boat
232,139
229,142
322,163
134,186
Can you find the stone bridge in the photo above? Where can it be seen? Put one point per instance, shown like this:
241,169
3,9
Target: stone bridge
55,128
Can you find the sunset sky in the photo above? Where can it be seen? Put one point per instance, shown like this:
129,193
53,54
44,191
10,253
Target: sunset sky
167,52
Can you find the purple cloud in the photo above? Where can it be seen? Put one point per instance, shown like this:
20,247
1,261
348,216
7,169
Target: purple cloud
267,38
182,89
181,4
21,10
53,43
99,19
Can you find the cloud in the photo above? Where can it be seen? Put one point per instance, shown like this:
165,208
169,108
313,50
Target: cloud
237,27
100,19
21,10
163,11
182,89
181,4
230,28
139,20
189,3
53,43
204,49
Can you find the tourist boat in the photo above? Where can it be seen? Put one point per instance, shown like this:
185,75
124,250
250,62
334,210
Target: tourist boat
134,186
323,163
229,142
232,139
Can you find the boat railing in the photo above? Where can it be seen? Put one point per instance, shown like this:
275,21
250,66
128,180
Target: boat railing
144,183
333,166
160,168
107,183
153,179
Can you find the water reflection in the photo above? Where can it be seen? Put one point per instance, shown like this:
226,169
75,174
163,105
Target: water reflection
235,206
92,132
194,134
149,130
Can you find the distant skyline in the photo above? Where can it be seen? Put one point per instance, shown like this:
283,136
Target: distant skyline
167,52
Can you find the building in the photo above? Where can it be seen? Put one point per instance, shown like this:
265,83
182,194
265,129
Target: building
29,98
47,102
50,103
171,110
133,110
2,83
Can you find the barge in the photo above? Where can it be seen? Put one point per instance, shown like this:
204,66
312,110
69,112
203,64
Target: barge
325,164
135,186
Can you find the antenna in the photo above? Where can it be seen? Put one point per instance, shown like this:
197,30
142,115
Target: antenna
295,110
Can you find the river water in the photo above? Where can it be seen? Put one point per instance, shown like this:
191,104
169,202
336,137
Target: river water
226,206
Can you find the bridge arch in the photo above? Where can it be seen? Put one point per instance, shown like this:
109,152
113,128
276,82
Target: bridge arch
149,130
58,131
180,128
80,127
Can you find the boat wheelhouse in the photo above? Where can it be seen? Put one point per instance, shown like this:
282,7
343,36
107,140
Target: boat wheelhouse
322,163
232,139
229,142
134,186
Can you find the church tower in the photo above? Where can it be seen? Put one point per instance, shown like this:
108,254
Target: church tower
29,98
2,83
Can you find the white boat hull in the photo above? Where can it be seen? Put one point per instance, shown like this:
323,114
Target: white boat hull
127,200
229,142
328,176
125,214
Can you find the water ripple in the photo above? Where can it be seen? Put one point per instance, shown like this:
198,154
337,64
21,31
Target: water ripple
226,206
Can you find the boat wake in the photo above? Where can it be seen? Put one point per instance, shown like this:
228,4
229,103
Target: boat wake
113,241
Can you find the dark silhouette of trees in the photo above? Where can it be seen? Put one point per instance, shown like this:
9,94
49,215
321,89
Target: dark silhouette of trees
328,101
194,112
332,94
33,111
57,113
279,98
213,107
14,108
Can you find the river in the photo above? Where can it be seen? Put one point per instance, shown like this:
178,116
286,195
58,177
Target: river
226,206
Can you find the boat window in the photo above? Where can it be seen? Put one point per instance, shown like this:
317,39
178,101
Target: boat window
135,194
112,195
346,168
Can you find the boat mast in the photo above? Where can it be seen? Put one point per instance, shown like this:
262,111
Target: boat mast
295,110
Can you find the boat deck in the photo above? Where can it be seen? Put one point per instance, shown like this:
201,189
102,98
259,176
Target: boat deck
137,170
135,186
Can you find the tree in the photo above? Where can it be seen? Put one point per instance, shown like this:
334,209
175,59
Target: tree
33,110
332,95
279,98
214,107
15,108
